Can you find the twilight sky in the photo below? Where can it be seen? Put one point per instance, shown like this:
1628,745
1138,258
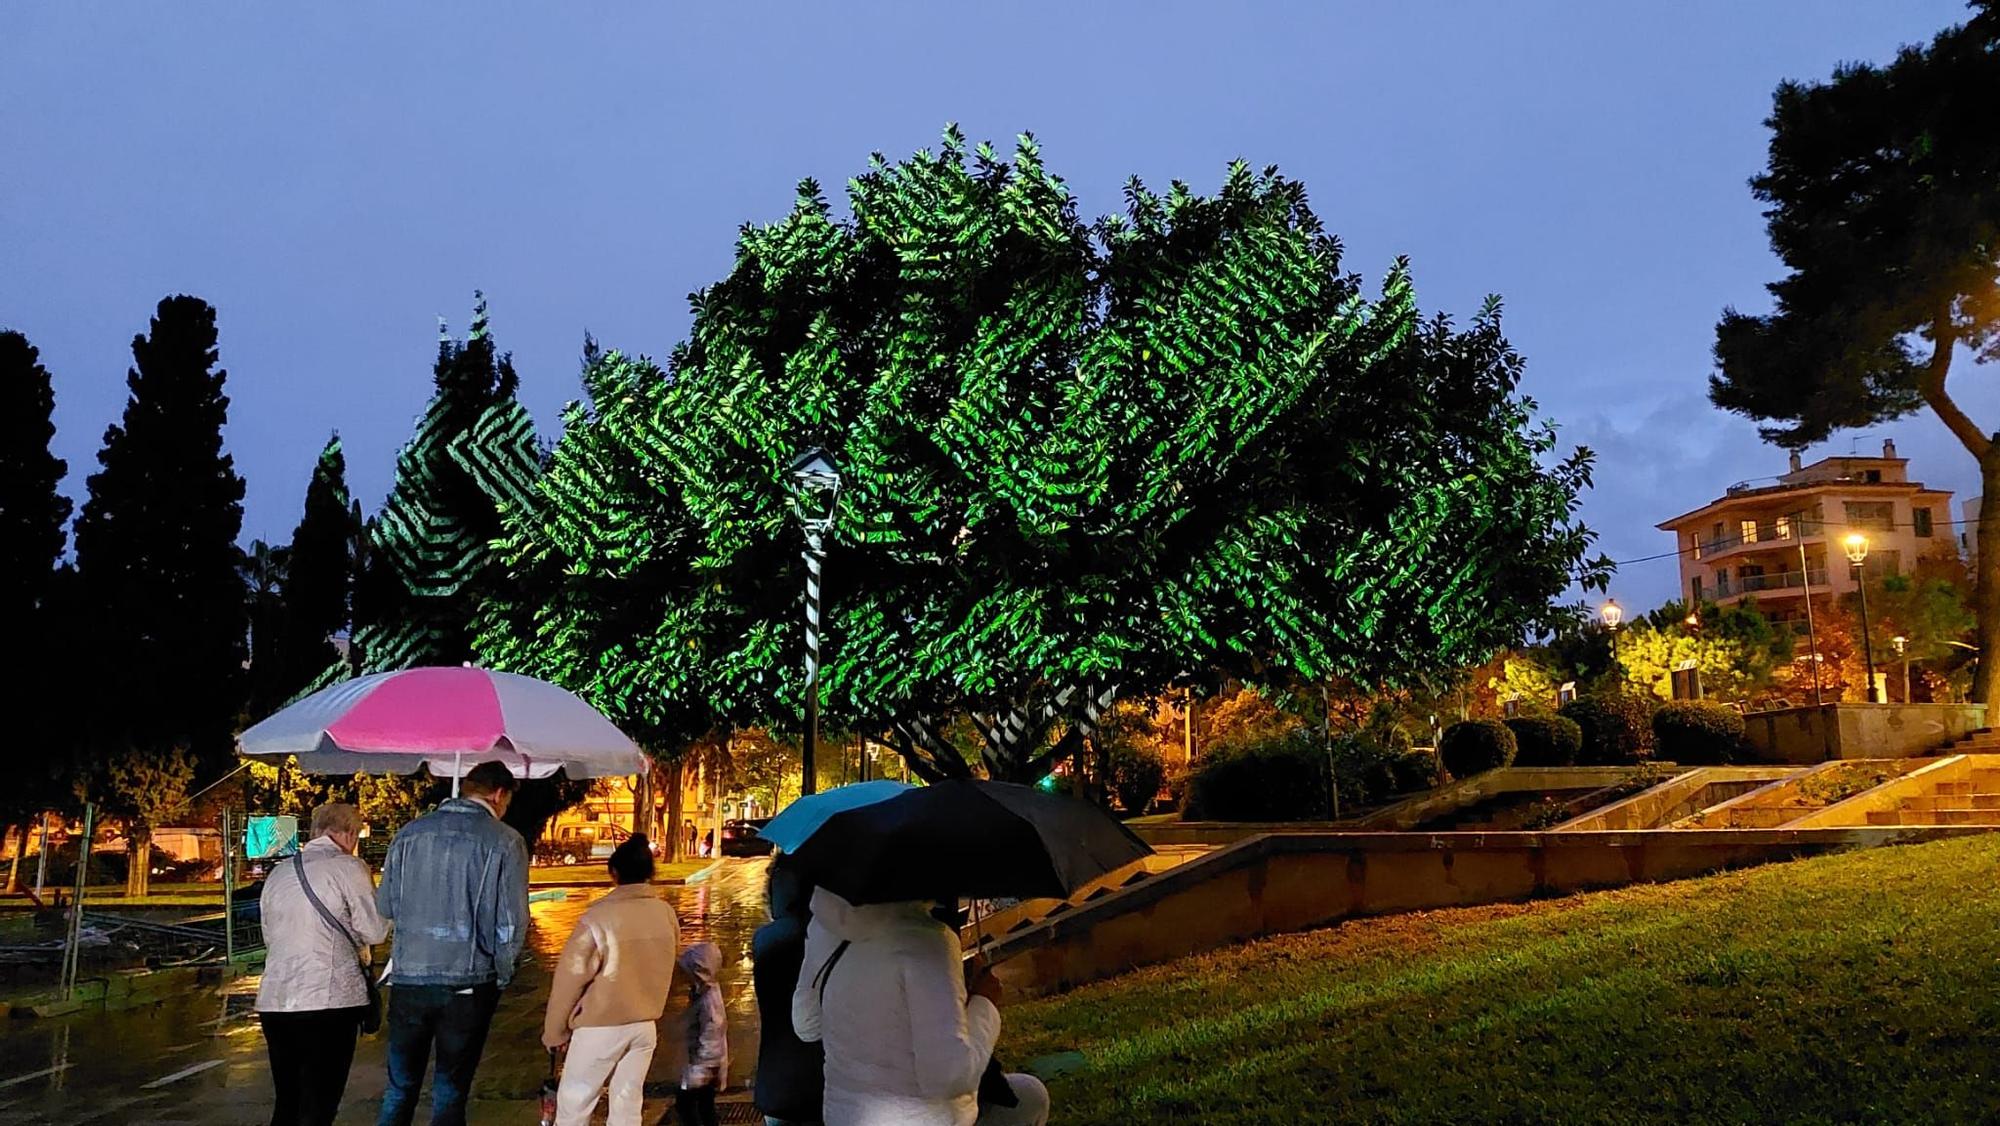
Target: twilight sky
335,177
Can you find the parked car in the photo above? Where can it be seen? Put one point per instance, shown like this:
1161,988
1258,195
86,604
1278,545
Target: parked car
582,844
739,838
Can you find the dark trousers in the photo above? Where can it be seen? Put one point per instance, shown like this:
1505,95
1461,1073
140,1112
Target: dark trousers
421,1016
696,1106
311,1053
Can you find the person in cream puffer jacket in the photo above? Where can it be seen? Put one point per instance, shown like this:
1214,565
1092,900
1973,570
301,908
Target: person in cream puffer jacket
905,1046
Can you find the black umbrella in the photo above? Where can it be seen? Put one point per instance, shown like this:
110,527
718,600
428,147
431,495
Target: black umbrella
971,839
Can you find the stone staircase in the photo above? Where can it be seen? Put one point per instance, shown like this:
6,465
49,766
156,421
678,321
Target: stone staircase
1985,741
1971,800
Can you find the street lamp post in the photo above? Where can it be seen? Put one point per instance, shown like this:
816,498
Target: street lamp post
817,492
1612,613
1857,553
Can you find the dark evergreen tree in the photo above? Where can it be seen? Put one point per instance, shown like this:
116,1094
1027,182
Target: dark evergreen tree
1884,193
264,570
158,565
319,579
32,511
32,515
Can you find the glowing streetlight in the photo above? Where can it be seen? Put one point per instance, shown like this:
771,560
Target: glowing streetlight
1612,612
1856,546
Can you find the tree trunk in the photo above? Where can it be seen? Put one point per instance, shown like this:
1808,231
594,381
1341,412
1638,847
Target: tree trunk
676,803
139,864
14,868
1986,587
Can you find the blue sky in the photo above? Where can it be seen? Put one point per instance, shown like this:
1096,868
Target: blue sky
333,178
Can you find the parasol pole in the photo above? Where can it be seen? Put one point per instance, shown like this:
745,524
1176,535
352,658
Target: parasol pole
457,768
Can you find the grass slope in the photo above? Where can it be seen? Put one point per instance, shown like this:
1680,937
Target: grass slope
1862,987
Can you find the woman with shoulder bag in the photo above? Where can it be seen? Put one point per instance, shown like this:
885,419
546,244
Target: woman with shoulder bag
319,921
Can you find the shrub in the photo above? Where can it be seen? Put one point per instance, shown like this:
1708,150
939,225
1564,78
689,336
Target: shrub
1281,778
1136,774
1697,732
1545,740
1414,770
1616,730
1476,746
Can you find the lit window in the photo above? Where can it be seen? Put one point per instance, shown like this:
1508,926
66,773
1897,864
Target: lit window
1695,540
1784,527
1749,531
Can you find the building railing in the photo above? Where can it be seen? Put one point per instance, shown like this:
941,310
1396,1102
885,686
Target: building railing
1768,534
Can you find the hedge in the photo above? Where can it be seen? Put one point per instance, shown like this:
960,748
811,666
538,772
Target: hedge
1476,746
1280,779
1616,730
1136,775
1545,740
1697,732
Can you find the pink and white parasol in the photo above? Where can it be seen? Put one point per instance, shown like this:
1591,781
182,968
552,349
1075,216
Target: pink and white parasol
449,719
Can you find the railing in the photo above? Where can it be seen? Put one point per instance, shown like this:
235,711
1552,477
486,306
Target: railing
1768,535
1783,580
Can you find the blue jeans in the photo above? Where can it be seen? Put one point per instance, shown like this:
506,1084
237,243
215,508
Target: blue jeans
456,1022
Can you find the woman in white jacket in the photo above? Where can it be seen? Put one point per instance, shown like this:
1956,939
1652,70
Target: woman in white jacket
313,994
904,1044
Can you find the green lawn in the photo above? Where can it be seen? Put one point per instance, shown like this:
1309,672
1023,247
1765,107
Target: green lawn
1858,987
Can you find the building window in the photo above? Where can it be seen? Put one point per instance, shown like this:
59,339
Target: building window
1879,516
1694,544
1784,527
1920,518
1872,476
1722,582
1694,588
1749,531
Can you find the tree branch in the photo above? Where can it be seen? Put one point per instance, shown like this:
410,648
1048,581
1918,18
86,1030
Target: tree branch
1944,336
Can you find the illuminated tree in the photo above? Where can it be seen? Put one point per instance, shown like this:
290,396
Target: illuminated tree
1883,208
429,555
1735,650
1077,462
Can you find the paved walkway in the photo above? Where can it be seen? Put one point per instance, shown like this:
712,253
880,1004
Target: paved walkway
200,1058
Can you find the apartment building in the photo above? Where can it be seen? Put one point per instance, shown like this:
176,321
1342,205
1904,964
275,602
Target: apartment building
1777,540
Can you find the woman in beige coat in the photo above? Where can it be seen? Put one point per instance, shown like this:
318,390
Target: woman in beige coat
611,987
314,990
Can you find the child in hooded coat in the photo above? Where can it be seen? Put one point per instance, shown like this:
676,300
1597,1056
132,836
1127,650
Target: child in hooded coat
707,1036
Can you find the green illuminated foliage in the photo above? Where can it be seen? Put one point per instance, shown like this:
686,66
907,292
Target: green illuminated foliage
1078,461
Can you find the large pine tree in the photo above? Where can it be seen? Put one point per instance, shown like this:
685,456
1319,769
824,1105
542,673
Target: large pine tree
32,515
159,566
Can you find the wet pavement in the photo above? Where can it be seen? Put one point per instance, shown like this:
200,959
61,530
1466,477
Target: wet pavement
199,1057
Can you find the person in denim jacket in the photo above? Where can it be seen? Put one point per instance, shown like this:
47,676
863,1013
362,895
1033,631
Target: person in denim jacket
455,885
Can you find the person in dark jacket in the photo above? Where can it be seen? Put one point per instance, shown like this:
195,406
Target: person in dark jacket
790,1080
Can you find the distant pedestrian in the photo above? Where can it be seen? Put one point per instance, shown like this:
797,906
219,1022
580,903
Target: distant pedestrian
707,1030
610,990
314,996
708,844
790,1080
456,886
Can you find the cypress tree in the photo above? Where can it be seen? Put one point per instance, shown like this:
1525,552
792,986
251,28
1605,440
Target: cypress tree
319,576
32,515
429,558
158,568
32,511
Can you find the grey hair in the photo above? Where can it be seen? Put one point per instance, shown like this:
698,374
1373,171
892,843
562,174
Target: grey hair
335,817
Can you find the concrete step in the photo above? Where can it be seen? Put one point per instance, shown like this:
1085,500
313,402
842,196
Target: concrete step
1952,789
1886,817
1986,777
1967,817
1985,801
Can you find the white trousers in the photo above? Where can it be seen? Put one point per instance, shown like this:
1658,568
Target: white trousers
619,1052
1034,1108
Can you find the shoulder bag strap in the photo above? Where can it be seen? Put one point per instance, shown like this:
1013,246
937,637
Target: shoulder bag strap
299,861
826,970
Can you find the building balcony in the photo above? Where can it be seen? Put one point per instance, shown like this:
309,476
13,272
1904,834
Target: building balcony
1770,536
1777,582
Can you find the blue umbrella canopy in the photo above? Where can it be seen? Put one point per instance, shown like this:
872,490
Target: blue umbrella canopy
801,819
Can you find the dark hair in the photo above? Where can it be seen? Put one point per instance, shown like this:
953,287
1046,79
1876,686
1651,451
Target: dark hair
489,778
632,862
